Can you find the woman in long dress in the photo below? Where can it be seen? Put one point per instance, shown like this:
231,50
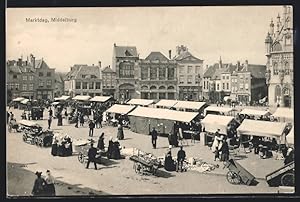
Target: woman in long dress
101,142
50,188
120,134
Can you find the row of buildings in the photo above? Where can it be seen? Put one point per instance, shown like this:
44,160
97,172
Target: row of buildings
32,79
157,76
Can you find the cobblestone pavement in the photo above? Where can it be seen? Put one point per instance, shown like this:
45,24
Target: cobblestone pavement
118,176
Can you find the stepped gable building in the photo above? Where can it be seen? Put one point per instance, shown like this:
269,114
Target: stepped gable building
280,58
125,63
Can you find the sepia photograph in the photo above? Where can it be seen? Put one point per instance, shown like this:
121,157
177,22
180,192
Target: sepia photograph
149,101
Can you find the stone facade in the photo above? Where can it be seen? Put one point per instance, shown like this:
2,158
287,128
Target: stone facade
108,81
279,52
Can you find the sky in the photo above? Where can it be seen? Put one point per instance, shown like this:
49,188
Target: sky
232,32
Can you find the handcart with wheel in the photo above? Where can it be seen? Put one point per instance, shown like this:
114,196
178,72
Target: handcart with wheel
237,174
143,166
82,147
284,176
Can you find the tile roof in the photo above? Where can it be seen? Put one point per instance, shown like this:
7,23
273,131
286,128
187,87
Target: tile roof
87,70
211,70
41,64
156,56
125,51
107,70
58,77
185,55
257,71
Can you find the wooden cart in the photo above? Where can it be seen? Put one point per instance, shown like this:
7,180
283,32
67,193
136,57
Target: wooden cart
284,176
238,174
143,166
83,148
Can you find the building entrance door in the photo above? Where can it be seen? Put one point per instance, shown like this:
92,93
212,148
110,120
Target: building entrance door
287,101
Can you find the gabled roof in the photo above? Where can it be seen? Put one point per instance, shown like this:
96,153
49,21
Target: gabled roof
211,70
41,64
156,56
107,70
125,51
15,69
88,70
187,55
58,77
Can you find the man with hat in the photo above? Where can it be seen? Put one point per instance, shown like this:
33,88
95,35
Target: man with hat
180,158
39,183
154,137
92,156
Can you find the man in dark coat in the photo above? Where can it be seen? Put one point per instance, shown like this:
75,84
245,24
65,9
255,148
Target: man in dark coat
91,126
92,156
154,137
38,187
180,158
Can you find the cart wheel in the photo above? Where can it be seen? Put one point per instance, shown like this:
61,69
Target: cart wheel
80,157
233,178
41,143
288,179
24,138
138,168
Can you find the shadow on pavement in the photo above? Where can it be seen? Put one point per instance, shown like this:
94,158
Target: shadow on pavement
20,183
239,157
164,174
108,162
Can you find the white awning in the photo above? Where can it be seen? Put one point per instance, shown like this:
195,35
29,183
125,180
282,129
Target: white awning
100,98
25,101
282,112
290,137
142,102
120,109
18,99
64,97
55,103
28,123
255,112
82,97
189,105
261,128
158,113
219,109
166,103
213,122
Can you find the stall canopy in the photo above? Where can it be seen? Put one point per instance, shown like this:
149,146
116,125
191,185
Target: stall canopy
261,128
157,113
55,103
62,98
142,102
166,103
18,99
255,112
290,137
282,112
224,110
213,122
82,97
100,98
120,109
189,105
25,101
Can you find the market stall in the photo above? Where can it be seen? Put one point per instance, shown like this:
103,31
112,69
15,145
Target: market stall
24,104
140,102
167,104
255,114
100,99
62,98
143,119
81,97
15,102
118,111
284,114
290,137
228,111
189,106
212,123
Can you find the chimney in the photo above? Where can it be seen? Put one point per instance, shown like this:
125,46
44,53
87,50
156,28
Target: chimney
99,62
20,62
170,54
115,44
246,65
32,60
92,64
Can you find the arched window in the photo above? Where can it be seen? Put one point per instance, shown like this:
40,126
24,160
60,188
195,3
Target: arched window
162,88
277,47
275,68
286,68
277,94
144,87
153,88
171,88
